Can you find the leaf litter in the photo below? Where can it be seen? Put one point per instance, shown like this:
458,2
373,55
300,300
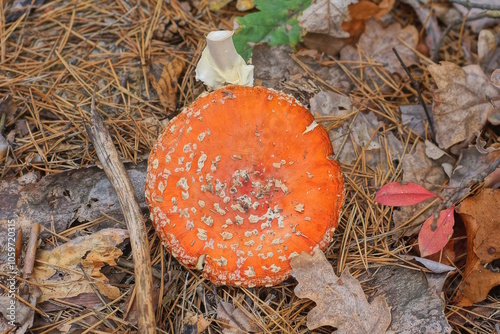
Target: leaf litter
340,301
118,47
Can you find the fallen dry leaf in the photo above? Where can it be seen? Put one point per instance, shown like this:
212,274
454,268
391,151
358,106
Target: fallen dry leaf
377,43
414,298
326,17
480,216
238,322
328,103
57,271
471,164
464,98
163,75
363,134
195,322
413,116
397,194
363,11
340,302
436,232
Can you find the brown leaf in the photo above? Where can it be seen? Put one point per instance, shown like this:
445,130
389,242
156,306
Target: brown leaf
363,11
164,74
377,42
237,321
58,271
340,302
480,216
461,103
196,322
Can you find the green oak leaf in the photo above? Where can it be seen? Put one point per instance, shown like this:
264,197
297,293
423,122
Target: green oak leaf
276,23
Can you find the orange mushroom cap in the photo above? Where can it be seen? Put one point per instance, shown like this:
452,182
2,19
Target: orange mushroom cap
245,179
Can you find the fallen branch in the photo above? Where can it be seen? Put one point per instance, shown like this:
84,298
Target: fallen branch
117,175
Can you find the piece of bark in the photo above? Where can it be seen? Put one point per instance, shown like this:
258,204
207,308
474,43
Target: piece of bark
117,175
74,196
415,299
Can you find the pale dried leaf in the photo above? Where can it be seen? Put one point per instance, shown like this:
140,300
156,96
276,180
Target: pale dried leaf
486,45
340,302
326,17
328,103
461,103
432,151
58,273
414,117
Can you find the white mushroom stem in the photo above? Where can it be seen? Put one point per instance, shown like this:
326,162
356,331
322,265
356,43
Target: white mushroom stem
221,47
220,63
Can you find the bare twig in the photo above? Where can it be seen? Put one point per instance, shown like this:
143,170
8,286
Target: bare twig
415,86
469,5
117,175
492,14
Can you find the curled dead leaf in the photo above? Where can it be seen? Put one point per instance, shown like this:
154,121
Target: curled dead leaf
58,271
340,302
164,74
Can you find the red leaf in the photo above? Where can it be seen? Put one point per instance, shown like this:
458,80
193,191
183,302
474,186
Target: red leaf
435,234
396,194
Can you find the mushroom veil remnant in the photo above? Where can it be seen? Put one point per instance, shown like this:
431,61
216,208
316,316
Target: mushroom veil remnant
242,181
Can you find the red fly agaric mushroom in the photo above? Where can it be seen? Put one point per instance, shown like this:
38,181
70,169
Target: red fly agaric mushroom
242,181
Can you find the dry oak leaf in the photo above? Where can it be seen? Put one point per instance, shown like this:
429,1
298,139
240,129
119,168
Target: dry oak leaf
58,271
340,302
464,98
377,43
164,74
481,219
326,17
